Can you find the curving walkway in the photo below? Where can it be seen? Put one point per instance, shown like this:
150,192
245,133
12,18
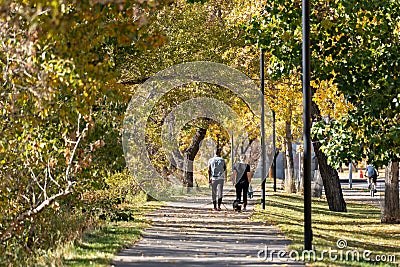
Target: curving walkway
189,233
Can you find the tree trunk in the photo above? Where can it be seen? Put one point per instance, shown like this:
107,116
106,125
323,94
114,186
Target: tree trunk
189,155
330,177
290,185
391,211
318,185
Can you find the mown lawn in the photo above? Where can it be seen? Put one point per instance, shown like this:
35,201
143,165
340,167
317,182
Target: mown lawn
359,230
98,246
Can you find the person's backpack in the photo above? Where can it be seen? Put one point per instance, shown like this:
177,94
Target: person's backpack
240,169
371,171
217,167
375,174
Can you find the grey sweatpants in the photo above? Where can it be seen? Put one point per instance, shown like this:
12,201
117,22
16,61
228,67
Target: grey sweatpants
217,187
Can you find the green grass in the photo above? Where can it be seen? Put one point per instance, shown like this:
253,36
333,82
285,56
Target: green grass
97,247
360,227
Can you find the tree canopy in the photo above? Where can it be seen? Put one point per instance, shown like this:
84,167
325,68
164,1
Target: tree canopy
69,69
59,62
354,49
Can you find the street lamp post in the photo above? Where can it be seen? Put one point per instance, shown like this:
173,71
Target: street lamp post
274,149
263,167
351,174
307,124
232,155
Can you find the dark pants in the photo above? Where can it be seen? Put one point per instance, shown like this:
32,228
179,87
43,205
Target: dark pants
374,178
242,187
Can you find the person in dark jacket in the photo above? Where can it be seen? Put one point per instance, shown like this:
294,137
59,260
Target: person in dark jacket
241,180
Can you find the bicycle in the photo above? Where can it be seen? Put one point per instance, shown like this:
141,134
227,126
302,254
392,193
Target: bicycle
372,175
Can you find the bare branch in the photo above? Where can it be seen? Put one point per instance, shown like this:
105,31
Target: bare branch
49,174
79,122
26,198
34,178
67,172
33,196
7,233
46,200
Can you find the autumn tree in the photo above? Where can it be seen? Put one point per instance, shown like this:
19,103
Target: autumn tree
195,32
58,60
284,97
353,44
278,31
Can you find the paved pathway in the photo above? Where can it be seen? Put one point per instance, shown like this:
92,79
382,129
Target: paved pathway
360,193
189,233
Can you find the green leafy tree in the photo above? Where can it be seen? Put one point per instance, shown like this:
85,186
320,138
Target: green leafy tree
365,58
368,77
354,43
278,31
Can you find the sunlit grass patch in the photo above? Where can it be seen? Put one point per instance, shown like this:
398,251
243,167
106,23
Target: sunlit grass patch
360,230
98,246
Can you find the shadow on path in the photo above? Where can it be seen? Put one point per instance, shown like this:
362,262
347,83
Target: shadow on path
189,233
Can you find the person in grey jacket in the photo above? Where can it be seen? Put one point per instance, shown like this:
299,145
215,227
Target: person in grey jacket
216,178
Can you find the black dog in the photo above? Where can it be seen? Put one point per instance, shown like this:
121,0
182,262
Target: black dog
236,205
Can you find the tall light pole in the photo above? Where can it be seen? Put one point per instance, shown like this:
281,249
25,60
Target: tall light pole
232,155
263,167
274,149
307,124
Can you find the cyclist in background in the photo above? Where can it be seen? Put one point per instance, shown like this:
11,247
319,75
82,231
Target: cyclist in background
371,173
